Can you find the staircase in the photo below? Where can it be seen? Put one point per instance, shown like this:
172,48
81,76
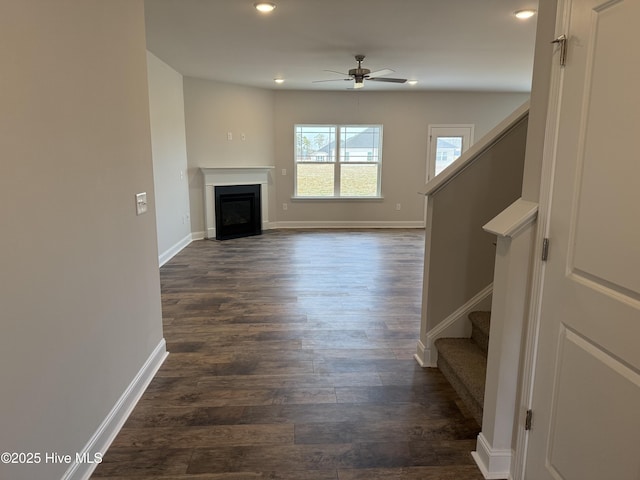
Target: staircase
463,362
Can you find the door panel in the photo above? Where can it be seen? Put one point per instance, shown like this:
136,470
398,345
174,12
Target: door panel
610,399
586,395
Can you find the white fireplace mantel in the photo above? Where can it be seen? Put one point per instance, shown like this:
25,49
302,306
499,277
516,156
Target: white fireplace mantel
218,176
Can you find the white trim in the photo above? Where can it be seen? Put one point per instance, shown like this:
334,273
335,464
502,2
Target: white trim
513,219
477,149
349,224
221,176
527,379
419,355
464,130
338,199
494,464
174,250
198,236
453,326
111,425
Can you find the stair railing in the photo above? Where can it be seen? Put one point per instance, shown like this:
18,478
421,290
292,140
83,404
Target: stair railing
459,255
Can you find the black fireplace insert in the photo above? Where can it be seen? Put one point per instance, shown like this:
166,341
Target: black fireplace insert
238,211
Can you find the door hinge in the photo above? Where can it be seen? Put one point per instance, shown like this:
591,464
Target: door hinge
545,249
562,41
527,420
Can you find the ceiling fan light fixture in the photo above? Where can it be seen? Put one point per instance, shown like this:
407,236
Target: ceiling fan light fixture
265,7
278,80
524,14
358,82
412,82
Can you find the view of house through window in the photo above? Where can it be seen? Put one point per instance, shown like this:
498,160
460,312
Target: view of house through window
447,150
446,144
338,160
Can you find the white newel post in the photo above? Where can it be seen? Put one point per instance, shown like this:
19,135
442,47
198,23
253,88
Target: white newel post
218,176
515,230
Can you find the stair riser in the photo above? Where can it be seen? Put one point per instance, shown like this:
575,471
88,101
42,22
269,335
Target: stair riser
472,405
480,338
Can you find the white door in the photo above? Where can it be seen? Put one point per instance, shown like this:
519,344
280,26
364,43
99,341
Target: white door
446,144
586,393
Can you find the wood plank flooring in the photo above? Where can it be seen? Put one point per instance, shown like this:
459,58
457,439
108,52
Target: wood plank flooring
291,358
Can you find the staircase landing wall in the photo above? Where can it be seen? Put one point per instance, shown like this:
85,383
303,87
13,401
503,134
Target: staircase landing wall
459,255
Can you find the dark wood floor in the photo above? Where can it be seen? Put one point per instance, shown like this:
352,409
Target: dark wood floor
291,358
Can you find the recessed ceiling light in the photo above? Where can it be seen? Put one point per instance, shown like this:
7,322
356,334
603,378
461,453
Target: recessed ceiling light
524,14
265,7
412,82
278,80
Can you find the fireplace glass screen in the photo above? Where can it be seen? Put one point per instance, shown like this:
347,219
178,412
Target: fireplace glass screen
238,211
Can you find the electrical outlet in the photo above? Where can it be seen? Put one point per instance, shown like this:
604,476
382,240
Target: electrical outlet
285,206
141,203
229,136
284,171
398,206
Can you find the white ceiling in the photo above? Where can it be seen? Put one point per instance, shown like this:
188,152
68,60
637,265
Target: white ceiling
475,45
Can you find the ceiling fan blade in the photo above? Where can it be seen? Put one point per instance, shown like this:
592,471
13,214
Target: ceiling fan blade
394,80
380,73
339,73
332,80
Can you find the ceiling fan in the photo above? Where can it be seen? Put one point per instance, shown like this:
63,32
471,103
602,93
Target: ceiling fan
359,75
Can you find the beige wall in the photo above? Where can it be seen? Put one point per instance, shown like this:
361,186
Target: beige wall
539,99
79,281
169,147
405,118
460,255
267,118
212,110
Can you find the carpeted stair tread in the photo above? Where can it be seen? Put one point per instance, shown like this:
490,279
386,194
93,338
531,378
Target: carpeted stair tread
464,364
480,324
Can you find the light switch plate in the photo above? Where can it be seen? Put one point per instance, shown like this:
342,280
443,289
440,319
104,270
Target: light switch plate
141,203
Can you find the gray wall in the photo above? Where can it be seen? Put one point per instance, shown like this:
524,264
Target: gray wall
79,280
543,60
212,110
459,255
267,118
169,147
405,117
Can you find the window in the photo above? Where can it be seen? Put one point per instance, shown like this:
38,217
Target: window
447,150
446,144
338,160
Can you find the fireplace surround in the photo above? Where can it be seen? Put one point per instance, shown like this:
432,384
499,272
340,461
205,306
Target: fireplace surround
234,176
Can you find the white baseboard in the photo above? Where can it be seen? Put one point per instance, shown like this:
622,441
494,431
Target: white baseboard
349,224
494,464
99,442
174,250
211,233
419,355
455,325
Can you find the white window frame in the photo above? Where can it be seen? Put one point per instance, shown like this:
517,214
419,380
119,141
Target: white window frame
446,130
337,162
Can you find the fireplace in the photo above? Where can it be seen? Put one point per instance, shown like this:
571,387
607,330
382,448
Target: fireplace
237,211
214,177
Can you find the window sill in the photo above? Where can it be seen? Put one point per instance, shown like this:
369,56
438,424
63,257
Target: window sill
337,199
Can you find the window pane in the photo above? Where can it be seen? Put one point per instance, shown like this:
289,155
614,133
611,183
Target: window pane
447,150
359,180
315,180
359,144
315,143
